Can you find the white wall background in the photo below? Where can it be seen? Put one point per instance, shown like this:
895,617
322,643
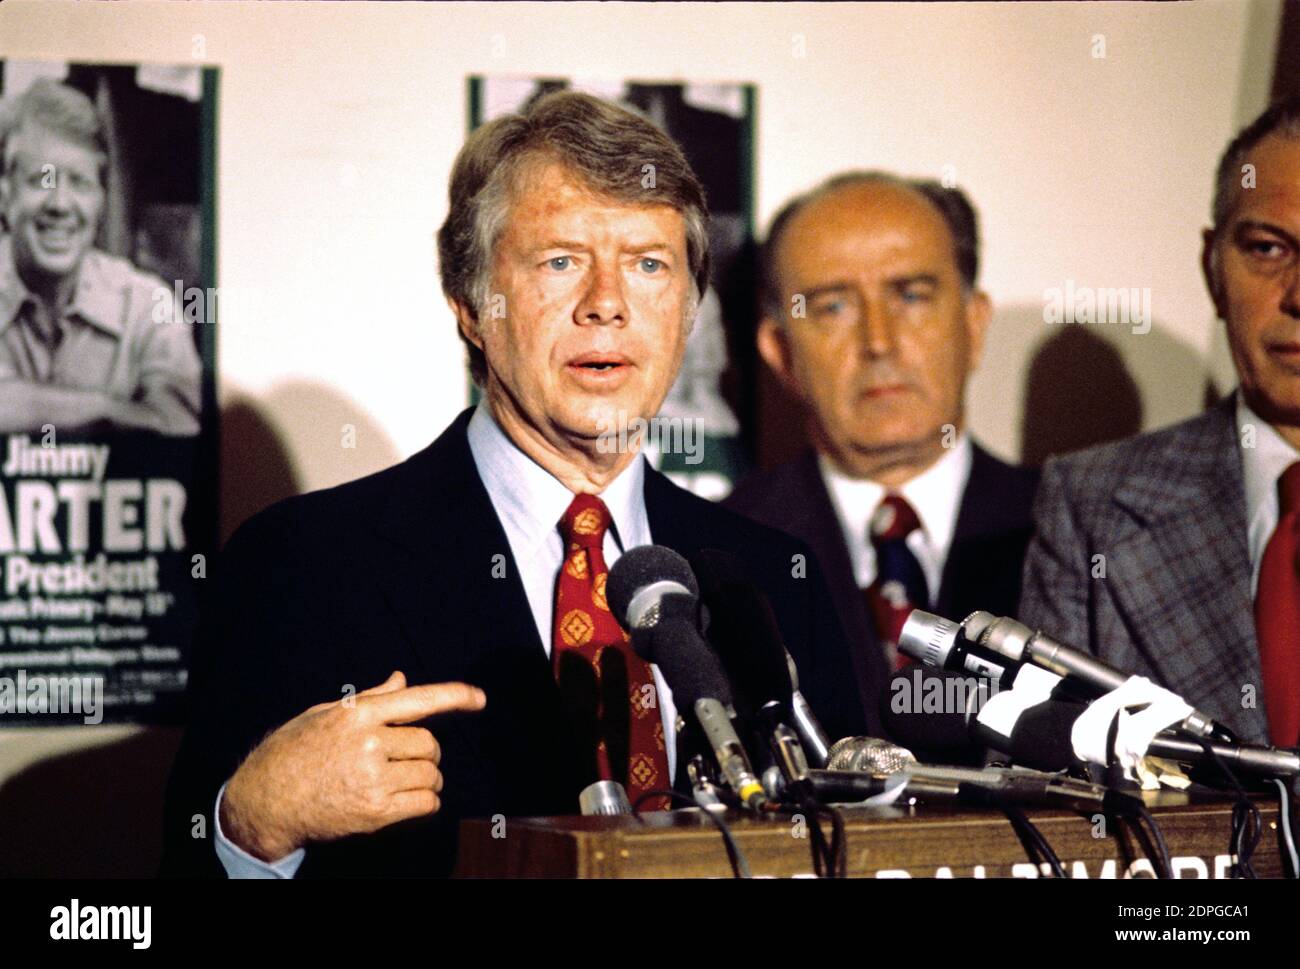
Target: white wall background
338,124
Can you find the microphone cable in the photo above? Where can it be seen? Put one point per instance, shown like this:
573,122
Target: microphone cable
830,858
1036,846
739,863
834,863
1285,837
1143,824
1246,823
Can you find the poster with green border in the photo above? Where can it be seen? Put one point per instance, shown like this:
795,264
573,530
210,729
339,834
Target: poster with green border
108,406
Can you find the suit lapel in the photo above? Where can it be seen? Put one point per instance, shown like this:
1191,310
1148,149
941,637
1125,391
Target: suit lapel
447,572
452,569
826,538
807,514
994,523
1181,577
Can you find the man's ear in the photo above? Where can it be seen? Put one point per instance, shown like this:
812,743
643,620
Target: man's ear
774,347
979,311
467,320
1210,270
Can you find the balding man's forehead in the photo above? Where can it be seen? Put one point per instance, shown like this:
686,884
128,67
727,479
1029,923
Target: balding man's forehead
879,209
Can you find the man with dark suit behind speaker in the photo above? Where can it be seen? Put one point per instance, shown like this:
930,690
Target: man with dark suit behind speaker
872,318
476,568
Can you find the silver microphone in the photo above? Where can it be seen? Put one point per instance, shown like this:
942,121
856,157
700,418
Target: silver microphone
1018,643
728,751
816,744
604,797
869,755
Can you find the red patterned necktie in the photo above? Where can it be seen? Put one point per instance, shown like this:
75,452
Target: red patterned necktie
900,583
609,690
1277,615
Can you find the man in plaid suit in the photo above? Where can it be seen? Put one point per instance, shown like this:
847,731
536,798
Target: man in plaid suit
1176,554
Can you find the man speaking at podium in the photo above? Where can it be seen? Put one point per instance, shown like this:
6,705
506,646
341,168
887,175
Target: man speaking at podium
466,584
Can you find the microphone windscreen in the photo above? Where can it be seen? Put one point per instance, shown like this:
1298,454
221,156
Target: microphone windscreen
642,566
1041,736
925,710
674,644
743,629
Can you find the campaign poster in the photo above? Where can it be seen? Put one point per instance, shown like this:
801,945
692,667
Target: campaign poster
107,386
696,440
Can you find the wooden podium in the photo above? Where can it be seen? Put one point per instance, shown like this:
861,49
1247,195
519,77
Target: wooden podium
923,841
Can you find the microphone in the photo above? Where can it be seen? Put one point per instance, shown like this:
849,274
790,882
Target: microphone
655,596
746,637
1042,738
868,755
744,632
729,752
640,579
938,643
810,731
604,797
997,647
933,711
703,790
1018,643
984,787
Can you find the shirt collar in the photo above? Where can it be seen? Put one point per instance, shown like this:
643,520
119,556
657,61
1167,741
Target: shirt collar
531,501
1262,464
95,299
935,494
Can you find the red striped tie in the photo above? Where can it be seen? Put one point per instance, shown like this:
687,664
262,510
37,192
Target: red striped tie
1277,615
610,691
900,582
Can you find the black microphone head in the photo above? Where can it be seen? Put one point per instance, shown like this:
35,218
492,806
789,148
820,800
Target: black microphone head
1041,737
674,644
743,630
930,712
642,569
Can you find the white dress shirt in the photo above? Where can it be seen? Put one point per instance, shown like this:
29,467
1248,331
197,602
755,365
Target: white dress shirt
935,494
529,502
1261,466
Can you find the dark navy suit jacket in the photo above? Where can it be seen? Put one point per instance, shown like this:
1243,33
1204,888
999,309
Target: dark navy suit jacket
395,571
994,526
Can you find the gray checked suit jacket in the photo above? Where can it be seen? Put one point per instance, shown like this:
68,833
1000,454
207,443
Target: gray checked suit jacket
1166,513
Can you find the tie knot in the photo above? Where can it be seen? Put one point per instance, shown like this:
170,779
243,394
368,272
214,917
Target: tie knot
893,519
584,523
1288,489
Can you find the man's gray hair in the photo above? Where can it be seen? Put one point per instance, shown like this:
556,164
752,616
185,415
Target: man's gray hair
614,151
1282,118
952,204
56,107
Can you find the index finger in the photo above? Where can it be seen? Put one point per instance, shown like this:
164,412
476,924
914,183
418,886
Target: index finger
418,702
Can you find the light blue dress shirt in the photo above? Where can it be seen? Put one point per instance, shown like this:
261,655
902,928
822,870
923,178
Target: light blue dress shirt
529,502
